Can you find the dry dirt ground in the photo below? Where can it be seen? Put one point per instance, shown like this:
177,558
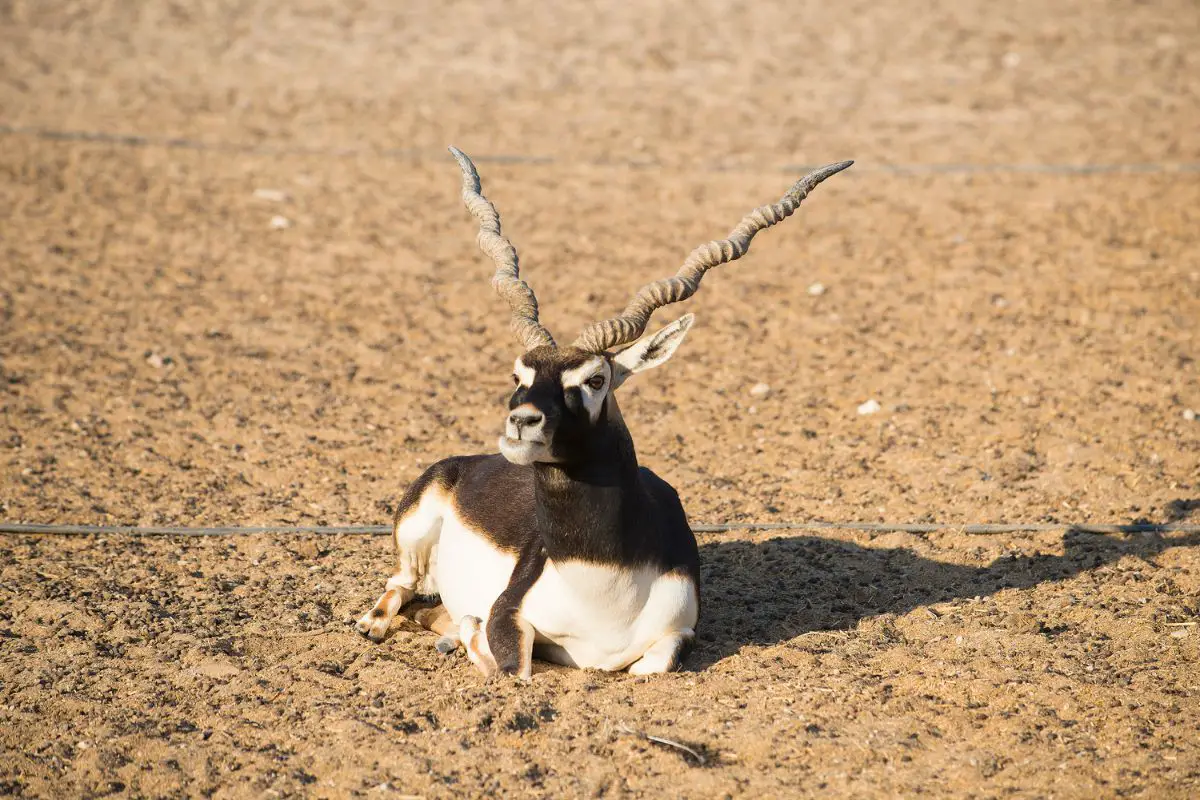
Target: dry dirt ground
1011,270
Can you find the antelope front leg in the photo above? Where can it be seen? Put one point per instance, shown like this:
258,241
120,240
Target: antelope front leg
510,638
470,631
506,645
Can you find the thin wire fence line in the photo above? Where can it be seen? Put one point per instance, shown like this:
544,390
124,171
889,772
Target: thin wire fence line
423,154
976,529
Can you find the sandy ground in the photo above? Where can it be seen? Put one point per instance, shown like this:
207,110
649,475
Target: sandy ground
1011,270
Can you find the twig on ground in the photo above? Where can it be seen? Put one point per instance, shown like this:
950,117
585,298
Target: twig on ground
683,748
317,632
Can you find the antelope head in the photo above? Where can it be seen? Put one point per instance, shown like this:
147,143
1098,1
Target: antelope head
564,395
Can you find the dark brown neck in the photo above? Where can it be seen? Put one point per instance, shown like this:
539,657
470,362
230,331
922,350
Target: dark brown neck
587,509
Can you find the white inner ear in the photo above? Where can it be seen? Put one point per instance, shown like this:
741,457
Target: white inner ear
651,351
593,399
525,375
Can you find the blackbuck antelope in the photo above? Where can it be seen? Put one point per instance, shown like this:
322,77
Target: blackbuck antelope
560,545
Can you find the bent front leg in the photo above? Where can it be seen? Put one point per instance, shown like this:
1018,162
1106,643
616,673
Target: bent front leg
504,646
510,638
474,639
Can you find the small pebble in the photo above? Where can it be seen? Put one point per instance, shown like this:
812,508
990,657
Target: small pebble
816,289
869,407
760,390
155,360
279,222
1189,415
271,195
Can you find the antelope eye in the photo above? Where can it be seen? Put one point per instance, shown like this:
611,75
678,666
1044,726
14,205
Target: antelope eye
596,382
516,380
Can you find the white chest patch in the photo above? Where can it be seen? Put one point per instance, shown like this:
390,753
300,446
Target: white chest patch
471,571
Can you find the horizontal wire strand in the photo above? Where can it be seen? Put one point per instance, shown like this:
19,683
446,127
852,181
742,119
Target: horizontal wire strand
137,140
426,154
979,529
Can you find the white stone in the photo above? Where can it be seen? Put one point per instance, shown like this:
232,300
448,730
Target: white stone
1189,415
279,222
870,407
271,195
816,289
760,390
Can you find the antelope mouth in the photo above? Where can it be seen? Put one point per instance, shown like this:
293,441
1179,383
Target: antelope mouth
524,451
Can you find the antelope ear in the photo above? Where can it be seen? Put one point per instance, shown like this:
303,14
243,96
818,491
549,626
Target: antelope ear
651,351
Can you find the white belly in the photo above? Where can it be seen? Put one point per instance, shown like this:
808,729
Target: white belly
601,616
605,616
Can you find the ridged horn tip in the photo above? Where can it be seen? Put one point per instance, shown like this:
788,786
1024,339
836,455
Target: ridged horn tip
826,171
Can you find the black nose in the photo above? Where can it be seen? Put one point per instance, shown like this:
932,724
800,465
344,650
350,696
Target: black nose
524,418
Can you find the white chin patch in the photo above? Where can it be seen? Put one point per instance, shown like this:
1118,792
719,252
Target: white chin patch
524,453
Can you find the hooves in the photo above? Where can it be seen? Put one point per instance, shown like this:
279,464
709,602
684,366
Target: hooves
374,624
470,634
662,656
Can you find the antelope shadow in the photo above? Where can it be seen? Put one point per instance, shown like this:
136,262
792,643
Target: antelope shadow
772,591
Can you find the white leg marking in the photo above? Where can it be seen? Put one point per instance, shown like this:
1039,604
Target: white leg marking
474,638
663,655
525,671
